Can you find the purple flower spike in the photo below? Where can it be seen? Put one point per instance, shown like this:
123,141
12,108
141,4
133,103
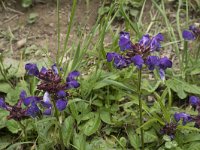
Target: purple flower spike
2,103
32,69
194,101
110,56
165,63
152,62
47,112
55,69
124,41
138,61
61,104
23,95
61,94
145,40
28,100
120,62
188,35
159,37
185,117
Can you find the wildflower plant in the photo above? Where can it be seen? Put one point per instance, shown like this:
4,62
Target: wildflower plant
54,100
140,54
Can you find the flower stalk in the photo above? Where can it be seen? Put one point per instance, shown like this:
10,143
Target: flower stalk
140,106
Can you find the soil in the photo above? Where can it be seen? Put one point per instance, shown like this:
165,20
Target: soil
16,33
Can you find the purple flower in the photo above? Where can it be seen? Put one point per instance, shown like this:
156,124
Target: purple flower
188,35
124,41
32,69
46,100
55,69
61,104
71,81
138,61
43,70
23,95
152,62
165,63
47,112
185,117
61,94
155,42
145,40
33,110
194,101
2,103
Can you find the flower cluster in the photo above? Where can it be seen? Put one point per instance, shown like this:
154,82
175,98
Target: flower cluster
17,112
51,83
139,53
169,129
192,33
55,92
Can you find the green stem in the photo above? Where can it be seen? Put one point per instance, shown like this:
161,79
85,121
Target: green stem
59,127
185,57
140,107
24,134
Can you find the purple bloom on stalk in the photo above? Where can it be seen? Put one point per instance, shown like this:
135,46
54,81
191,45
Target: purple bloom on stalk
43,70
61,104
145,40
194,101
55,69
124,41
188,35
185,117
152,62
47,112
138,61
32,69
165,63
23,95
61,94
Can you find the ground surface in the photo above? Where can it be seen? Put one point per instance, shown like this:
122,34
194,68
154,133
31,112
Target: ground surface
15,29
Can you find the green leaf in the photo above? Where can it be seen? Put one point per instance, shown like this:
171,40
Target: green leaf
13,126
5,141
67,130
181,87
92,125
79,141
105,116
5,87
133,138
3,116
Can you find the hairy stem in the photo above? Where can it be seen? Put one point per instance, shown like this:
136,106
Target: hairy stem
59,127
140,107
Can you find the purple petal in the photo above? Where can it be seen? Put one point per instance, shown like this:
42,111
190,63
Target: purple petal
61,94
27,101
55,69
159,37
32,69
72,84
2,103
188,35
110,57
61,104
185,117
72,75
43,70
194,101
162,74
145,40
124,41
47,112
120,62
138,61
165,63
23,95
152,62
46,98
33,110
